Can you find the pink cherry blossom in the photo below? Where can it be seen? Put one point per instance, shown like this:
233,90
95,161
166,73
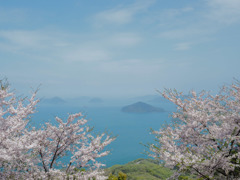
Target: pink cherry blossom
29,153
204,137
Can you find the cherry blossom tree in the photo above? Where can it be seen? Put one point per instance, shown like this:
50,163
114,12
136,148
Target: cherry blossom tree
15,139
204,136
29,153
70,139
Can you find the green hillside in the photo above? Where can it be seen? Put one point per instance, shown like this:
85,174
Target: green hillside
141,169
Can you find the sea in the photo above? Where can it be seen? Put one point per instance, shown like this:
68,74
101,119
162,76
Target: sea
133,130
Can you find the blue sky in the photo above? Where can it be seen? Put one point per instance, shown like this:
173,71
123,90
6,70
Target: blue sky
114,48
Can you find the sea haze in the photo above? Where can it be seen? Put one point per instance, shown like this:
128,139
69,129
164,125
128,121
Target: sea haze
131,129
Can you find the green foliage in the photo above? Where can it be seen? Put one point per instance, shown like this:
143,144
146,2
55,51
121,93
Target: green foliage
121,176
187,178
140,169
112,177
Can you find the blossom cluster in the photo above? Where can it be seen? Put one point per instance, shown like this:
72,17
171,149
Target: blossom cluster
30,153
204,136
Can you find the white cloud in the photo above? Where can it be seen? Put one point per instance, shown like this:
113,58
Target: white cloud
21,38
27,39
198,21
85,55
13,15
123,14
132,68
120,16
125,39
183,46
187,32
182,23
224,11
45,45
173,13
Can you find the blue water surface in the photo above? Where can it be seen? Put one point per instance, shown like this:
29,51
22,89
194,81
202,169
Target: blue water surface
131,129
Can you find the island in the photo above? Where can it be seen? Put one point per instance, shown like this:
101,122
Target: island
96,100
141,107
54,100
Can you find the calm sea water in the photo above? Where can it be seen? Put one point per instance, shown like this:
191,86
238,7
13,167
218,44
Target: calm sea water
131,129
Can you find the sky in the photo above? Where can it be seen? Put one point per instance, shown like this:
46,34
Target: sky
113,48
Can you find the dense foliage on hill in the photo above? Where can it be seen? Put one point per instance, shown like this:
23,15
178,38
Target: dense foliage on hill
141,169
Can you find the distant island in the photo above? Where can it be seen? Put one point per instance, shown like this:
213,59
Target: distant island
141,107
96,100
54,100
